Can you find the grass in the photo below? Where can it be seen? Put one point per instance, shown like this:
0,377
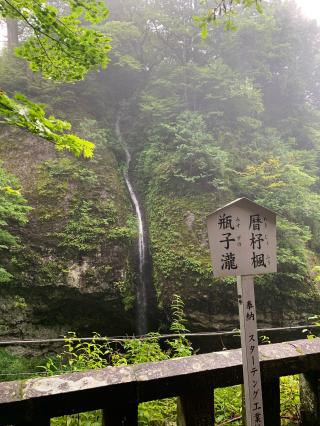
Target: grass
17,367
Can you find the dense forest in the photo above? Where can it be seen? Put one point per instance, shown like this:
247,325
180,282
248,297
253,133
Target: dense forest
192,123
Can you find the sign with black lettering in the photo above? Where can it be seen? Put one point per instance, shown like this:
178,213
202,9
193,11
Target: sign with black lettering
242,239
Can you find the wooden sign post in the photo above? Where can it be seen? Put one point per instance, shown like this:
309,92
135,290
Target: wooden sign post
242,239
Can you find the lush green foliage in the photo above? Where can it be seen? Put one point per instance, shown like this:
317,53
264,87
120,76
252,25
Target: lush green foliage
15,367
61,45
224,10
30,116
13,210
223,118
189,158
63,48
98,354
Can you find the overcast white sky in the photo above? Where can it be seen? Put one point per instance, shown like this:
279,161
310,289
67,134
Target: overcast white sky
310,8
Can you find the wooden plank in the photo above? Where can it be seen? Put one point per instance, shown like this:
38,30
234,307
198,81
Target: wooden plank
196,408
85,391
310,399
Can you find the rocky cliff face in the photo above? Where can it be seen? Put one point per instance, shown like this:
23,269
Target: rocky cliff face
73,269
181,265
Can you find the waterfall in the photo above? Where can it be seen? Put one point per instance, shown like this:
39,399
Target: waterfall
141,287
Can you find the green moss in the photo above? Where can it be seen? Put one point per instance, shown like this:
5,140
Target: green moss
82,216
81,231
181,260
180,254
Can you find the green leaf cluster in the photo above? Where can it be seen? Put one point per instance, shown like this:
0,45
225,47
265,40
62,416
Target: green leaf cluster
223,13
61,46
189,157
23,113
100,353
13,210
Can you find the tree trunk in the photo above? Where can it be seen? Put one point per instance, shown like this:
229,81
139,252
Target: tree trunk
12,33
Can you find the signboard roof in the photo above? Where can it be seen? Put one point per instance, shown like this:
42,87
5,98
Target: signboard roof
242,239
244,202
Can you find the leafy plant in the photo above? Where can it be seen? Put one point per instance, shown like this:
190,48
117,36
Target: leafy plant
316,322
290,400
180,346
228,405
13,209
223,12
16,367
80,356
23,113
64,48
100,353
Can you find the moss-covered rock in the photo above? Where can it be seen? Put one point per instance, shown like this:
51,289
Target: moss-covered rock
182,265
73,269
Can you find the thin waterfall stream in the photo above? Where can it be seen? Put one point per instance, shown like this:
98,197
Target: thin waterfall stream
142,244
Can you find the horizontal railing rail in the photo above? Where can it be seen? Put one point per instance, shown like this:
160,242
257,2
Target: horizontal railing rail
203,341
119,390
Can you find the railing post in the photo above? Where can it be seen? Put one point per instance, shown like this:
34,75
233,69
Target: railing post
310,399
196,409
271,402
121,415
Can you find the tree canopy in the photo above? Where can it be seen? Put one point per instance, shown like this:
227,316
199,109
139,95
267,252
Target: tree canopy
223,11
57,42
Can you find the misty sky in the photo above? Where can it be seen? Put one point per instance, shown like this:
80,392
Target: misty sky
310,8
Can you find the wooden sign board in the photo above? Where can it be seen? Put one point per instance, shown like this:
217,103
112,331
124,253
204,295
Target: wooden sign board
242,239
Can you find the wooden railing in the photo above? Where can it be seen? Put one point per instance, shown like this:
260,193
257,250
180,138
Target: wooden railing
119,390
